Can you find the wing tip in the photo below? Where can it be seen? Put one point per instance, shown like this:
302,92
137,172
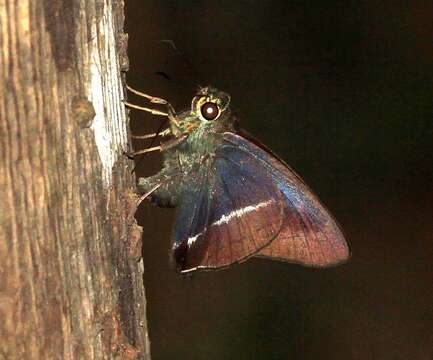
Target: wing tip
340,259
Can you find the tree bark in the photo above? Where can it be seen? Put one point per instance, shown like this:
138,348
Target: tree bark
71,282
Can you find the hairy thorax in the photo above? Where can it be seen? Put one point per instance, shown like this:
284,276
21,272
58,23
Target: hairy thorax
185,165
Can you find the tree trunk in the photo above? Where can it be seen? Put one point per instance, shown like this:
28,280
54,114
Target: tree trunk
71,282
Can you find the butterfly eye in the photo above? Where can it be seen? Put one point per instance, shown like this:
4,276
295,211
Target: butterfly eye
209,111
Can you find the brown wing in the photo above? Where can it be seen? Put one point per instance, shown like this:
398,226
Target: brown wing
228,215
310,235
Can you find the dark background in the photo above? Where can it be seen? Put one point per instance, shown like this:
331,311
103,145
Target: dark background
342,90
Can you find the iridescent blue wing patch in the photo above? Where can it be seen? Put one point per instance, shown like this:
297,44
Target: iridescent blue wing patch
246,203
310,235
236,211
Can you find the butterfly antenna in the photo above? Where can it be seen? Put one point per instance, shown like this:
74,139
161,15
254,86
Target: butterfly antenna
193,71
163,74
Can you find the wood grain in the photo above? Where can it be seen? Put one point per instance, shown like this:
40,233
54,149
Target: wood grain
69,287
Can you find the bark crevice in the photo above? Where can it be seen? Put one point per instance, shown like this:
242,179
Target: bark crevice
69,286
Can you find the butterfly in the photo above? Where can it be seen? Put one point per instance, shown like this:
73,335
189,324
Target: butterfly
234,197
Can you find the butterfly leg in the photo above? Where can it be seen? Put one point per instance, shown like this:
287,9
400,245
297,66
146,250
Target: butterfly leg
152,99
144,151
161,189
171,113
164,146
163,133
143,108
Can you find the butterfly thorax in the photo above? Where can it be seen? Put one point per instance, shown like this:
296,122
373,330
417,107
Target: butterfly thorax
197,134
202,127
196,152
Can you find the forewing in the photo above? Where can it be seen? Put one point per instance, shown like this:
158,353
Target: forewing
234,211
310,235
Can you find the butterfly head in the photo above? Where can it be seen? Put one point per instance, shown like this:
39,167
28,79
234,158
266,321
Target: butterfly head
209,104
210,108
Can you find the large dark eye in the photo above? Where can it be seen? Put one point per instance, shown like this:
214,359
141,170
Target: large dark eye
209,111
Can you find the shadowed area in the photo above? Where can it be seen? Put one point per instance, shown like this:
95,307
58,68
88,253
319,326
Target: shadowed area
342,92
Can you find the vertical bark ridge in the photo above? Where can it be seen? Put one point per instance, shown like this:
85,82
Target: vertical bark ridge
65,213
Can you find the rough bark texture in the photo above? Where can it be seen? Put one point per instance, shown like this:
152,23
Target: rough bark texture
70,269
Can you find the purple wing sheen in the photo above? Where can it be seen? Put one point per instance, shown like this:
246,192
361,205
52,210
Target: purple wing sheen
232,212
310,235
